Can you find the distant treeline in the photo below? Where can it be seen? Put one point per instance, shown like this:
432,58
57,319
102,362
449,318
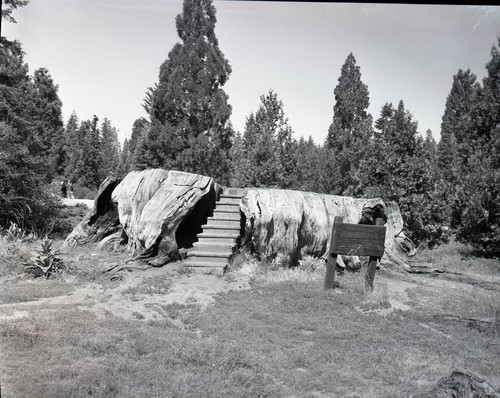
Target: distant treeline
447,188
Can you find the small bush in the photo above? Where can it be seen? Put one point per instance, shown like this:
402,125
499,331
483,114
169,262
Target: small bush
312,264
67,218
82,192
35,214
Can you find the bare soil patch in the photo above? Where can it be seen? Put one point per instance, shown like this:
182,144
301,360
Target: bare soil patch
257,331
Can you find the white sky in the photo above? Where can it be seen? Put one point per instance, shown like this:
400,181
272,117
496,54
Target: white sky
104,54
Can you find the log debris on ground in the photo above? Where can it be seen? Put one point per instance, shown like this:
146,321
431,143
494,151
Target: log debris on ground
462,384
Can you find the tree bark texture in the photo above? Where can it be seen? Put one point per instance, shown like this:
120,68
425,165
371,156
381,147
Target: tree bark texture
99,222
291,222
149,206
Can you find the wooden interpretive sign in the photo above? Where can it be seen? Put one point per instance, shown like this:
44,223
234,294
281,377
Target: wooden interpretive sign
358,239
355,240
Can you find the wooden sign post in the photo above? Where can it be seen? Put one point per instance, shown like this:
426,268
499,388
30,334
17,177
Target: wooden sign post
355,240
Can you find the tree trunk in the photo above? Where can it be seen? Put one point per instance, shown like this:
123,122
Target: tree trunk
289,223
99,222
150,206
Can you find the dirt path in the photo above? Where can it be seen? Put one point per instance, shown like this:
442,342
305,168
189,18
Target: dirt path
148,294
74,202
134,295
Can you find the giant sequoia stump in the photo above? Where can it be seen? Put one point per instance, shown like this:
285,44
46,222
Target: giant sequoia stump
160,210
150,207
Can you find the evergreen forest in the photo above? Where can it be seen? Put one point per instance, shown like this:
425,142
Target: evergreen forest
444,189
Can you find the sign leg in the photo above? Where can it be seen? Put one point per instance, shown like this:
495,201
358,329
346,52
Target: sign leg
330,271
370,273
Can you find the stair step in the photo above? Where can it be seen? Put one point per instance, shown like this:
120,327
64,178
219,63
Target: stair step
228,208
214,233
224,196
220,217
218,214
213,246
225,225
221,227
210,254
228,200
225,240
234,192
208,261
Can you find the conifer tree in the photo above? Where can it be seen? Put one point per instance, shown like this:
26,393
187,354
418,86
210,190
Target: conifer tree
139,128
400,169
310,165
49,121
109,149
239,162
23,194
85,159
457,128
351,129
72,149
127,154
458,141
430,146
189,110
124,165
480,202
268,147
92,154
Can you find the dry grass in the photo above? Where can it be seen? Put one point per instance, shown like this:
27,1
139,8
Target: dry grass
285,337
456,257
32,291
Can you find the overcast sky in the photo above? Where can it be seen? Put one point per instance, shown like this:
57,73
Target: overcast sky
104,54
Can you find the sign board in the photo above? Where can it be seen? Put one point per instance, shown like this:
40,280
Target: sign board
358,239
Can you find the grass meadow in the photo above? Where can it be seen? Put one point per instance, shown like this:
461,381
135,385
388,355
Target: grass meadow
283,337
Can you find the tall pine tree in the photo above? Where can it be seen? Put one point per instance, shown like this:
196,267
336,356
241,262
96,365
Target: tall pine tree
49,121
351,129
109,150
189,110
480,201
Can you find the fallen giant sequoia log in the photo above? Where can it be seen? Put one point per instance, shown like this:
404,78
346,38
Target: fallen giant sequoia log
291,222
156,210
159,211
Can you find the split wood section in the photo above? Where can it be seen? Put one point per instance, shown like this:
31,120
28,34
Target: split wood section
355,240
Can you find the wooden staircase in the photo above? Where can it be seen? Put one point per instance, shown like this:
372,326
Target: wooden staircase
219,240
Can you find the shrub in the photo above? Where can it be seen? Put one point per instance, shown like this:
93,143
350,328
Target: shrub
480,224
82,192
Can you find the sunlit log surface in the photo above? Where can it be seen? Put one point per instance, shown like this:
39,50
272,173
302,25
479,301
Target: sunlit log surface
294,222
149,206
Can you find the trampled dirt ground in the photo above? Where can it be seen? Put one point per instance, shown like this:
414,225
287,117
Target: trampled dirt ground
276,329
